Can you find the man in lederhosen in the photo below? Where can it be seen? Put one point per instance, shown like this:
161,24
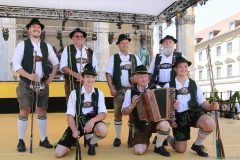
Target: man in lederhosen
72,57
144,129
118,75
190,112
23,64
92,113
161,66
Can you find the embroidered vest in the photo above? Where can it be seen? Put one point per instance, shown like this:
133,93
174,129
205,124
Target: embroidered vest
27,61
72,64
192,88
95,97
117,70
155,76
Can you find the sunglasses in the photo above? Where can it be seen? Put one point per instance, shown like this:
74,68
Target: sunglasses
79,37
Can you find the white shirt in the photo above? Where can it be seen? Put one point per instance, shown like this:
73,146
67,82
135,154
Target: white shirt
125,60
71,106
164,74
19,52
183,99
64,58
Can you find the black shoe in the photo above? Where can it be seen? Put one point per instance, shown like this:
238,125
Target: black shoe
88,143
91,150
45,143
21,146
161,150
154,140
117,142
199,150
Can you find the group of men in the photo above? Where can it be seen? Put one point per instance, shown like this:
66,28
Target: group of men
126,78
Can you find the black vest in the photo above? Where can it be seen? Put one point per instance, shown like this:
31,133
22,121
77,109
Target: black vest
95,97
117,70
72,64
192,88
157,62
27,61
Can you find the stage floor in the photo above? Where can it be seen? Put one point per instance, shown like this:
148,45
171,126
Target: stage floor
57,123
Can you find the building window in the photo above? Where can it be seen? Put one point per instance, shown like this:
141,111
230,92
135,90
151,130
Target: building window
218,72
218,50
232,26
229,47
229,70
200,75
210,35
208,74
200,56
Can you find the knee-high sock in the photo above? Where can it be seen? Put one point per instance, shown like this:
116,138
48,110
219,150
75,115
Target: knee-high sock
132,128
22,126
88,136
95,138
118,128
202,135
161,136
42,125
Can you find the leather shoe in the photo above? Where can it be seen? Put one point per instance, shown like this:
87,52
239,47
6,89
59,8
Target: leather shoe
199,150
165,143
91,150
161,150
117,142
21,146
45,143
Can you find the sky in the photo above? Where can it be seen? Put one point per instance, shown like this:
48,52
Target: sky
206,15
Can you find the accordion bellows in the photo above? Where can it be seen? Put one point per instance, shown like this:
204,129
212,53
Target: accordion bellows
156,105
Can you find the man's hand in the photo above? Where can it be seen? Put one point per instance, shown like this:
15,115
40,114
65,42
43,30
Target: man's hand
113,92
214,106
173,124
132,80
89,126
49,80
176,104
78,76
135,99
32,77
76,134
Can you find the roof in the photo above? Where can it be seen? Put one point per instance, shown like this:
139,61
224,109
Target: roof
219,28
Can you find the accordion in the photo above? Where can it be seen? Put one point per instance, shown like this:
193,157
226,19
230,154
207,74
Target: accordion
156,105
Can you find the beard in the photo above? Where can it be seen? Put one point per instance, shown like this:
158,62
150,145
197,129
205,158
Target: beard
167,51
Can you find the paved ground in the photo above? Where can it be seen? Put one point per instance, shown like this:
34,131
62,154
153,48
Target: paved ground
57,123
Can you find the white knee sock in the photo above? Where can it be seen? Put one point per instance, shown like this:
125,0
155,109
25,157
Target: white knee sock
88,136
22,127
201,137
118,128
42,125
161,136
95,138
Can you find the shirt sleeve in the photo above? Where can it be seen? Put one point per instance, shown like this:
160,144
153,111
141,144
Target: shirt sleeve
64,59
151,67
101,103
127,99
139,62
71,105
52,55
18,56
94,62
110,65
166,85
200,97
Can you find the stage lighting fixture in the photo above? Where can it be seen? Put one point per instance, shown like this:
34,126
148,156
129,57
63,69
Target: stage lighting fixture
5,33
94,36
120,21
135,24
168,22
110,37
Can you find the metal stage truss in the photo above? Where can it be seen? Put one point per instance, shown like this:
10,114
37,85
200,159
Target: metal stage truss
96,16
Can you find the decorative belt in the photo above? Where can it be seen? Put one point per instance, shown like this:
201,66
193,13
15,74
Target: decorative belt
183,91
84,60
87,104
165,66
125,67
38,58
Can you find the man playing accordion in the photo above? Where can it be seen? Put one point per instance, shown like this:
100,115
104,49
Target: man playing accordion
144,129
